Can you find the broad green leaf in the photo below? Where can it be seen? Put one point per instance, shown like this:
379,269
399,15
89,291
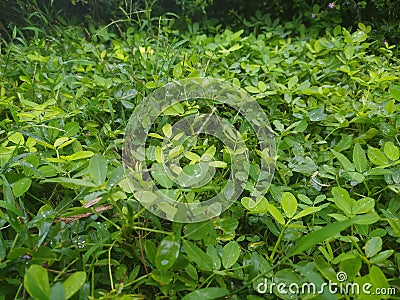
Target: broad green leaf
377,172
212,252
394,91
145,197
379,280
366,219
230,254
373,246
60,141
17,138
21,186
252,89
162,277
198,256
349,52
3,248
194,175
292,82
317,114
167,253
289,204
36,282
307,211
342,200
174,152
174,110
310,240
150,250
167,130
206,294
98,169
77,155
391,151
158,152
377,157
73,283
344,161
395,224
57,292
217,164
208,154
72,181
197,231
177,71
359,158
275,213
159,174
193,157
363,205
380,257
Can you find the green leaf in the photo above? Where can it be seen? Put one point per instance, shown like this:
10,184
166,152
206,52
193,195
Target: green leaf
174,110
317,114
77,155
380,257
310,240
57,292
366,219
167,253
206,294
377,157
167,130
74,283
373,246
21,186
391,151
177,71
193,175
292,82
344,161
98,169
289,204
230,254
159,174
150,250
342,200
307,211
259,206
36,282
275,213
363,205
378,280
72,181
3,248
394,91
395,224
212,252
359,158
349,52
197,231
162,277
198,256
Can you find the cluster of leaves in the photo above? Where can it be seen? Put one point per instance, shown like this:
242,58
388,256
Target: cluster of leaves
68,216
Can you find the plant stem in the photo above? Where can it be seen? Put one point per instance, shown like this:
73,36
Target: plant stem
271,258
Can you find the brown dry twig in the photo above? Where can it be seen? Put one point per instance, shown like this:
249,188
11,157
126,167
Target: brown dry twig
97,209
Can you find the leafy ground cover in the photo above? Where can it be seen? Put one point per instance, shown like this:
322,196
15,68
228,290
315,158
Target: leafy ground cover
71,227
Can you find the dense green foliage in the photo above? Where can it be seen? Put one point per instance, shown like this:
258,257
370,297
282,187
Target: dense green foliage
69,221
381,15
